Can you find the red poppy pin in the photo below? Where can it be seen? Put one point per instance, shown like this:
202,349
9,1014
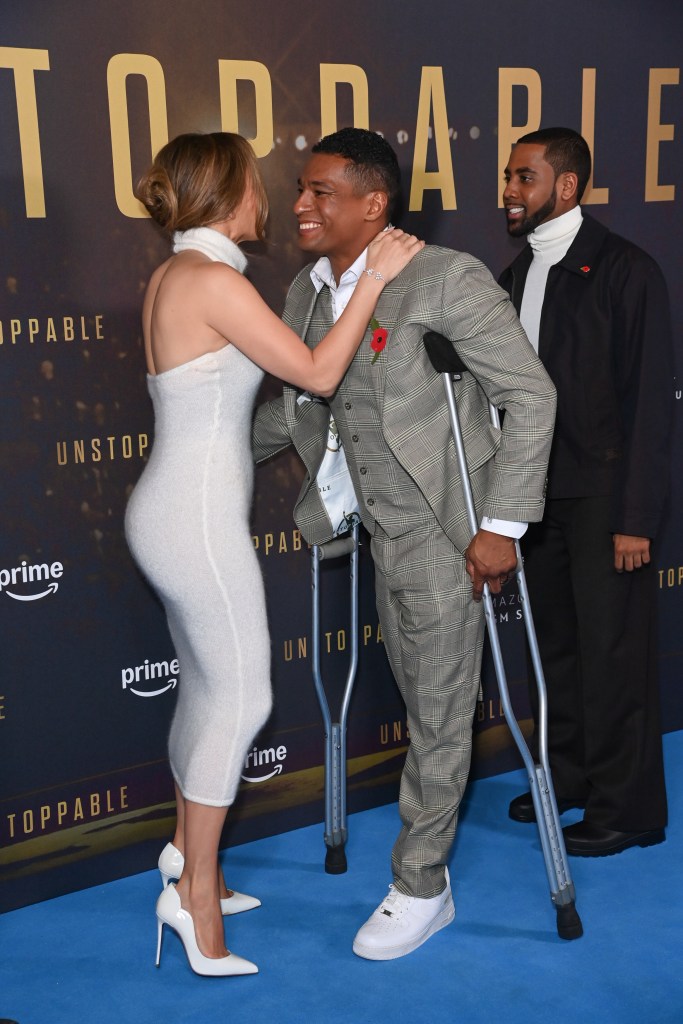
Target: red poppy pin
585,270
379,339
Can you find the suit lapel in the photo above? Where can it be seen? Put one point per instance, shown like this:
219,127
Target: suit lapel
395,362
300,305
310,315
306,316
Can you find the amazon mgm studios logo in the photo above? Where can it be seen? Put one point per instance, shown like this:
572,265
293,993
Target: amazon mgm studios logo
30,582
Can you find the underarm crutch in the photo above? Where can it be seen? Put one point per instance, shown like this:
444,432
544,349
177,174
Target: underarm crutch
335,732
562,893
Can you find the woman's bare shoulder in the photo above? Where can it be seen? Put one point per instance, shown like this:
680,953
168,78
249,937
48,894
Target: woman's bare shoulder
193,272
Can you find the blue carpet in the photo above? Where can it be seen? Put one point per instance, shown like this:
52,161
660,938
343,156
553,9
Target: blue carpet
89,957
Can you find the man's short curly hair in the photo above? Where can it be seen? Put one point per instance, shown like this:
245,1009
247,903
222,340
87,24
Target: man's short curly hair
372,167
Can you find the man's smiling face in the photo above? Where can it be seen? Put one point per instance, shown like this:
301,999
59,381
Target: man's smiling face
530,194
333,217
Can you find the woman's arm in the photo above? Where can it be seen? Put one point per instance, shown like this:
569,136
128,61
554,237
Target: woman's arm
234,309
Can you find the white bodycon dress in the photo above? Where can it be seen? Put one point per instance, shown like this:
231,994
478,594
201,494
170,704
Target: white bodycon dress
187,525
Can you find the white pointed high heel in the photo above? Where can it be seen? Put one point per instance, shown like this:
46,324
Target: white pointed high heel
171,863
170,912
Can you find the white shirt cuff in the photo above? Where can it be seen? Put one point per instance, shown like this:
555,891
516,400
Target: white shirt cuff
504,527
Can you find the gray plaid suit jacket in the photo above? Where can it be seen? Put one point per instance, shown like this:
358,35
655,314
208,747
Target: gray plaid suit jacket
454,294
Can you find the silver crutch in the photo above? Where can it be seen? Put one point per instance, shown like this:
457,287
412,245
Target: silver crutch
335,732
446,362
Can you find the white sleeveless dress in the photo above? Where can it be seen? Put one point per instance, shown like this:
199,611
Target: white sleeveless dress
187,525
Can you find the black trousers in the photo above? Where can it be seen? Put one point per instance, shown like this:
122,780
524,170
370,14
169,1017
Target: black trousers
597,638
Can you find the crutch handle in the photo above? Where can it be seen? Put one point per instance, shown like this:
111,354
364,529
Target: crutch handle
442,355
335,548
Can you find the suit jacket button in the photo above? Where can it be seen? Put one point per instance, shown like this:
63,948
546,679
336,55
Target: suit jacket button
347,405
370,501
354,437
363,470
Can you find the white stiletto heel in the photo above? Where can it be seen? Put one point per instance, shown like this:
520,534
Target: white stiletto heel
171,863
160,928
170,912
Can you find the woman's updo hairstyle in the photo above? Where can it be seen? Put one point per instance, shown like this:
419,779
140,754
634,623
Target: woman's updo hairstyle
199,179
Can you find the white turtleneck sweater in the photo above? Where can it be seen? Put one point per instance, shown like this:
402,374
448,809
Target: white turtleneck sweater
550,242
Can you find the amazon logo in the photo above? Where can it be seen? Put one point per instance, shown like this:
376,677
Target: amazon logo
264,764
150,679
30,582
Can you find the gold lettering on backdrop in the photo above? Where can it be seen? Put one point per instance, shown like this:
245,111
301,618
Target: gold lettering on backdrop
25,63
431,122
656,134
2,708
671,577
79,327
332,642
341,641
280,543
432,106
332,75
125,446
371,632
64,813
396,732
592,195
301,649
508,133
489,710
120,67
229,73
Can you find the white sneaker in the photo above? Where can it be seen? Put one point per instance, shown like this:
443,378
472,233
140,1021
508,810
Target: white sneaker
402,923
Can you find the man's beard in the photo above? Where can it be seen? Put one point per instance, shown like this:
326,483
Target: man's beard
529,224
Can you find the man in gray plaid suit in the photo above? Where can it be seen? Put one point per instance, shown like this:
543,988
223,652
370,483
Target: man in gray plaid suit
391,417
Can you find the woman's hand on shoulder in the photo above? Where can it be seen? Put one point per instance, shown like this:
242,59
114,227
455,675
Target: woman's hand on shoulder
390,252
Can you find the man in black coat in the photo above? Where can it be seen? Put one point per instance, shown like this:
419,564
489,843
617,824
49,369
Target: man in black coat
595,307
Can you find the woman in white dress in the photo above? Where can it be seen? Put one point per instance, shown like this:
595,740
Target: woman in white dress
208,338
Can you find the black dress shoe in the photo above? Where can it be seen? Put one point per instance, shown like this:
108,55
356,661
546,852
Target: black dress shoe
522,808
585,839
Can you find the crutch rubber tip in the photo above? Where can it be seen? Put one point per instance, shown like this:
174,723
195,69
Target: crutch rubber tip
568,922
335,860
